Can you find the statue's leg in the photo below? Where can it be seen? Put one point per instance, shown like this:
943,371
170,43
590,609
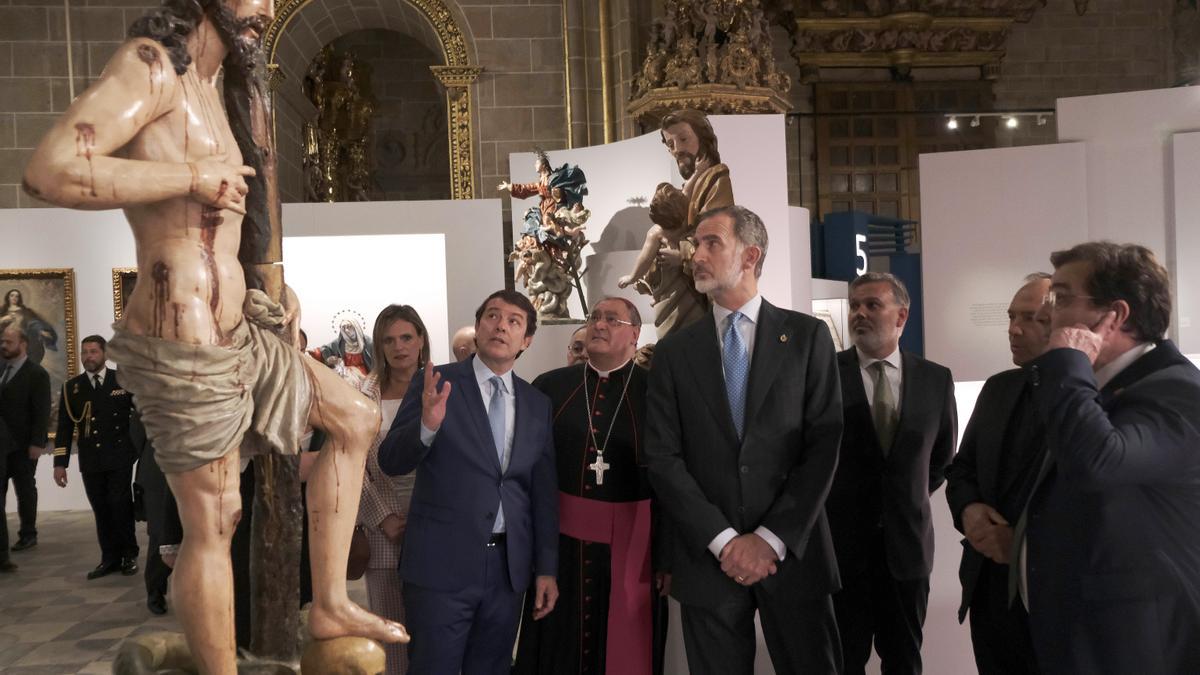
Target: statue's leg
350,421
210,505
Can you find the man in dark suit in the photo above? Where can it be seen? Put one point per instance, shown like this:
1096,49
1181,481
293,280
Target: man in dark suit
1109,545
744,417
900,430
484,517
7,566
162,520
25,406
988,485
94,410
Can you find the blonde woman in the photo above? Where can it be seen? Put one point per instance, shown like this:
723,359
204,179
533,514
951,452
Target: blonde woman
401,345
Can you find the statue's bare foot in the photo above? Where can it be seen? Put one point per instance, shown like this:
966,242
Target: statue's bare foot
348,619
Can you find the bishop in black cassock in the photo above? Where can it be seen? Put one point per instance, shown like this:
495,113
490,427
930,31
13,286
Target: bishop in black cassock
610,617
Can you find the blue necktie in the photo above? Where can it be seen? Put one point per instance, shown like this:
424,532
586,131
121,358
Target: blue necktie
736,361
496,414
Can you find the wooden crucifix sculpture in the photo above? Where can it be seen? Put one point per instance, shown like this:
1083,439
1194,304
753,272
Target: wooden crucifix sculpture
207,354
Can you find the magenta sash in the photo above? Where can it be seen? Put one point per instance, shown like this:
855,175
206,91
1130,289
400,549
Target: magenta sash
625,527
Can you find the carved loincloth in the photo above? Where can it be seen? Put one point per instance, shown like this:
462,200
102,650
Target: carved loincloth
198,401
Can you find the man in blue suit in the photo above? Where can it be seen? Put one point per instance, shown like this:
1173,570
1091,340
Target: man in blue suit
1108,549
484,517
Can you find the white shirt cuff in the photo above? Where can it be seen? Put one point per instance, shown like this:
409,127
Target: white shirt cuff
775,542
427,436
718,543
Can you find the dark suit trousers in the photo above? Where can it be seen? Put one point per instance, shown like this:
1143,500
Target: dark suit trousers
999,633
874,607
22,471
4,555
156,572
801,635
111,496
472,630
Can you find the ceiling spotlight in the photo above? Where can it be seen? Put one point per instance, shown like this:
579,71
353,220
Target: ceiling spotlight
975,121
953,123
1041,120
1011,123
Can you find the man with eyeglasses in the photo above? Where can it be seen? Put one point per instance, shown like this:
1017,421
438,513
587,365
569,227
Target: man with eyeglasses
606,617
988,485
744,420
1108,548
577,347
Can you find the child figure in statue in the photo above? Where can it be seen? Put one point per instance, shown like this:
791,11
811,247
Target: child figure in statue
668,212
208,361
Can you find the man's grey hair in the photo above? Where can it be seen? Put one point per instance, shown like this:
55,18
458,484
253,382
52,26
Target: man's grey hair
747,227
1037,276
634,315
899,290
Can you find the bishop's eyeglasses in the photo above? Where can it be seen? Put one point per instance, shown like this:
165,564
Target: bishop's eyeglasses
608,318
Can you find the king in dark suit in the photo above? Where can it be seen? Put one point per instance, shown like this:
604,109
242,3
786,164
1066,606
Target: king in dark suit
988,485
25,407
900,431
483,524
1111,544
744,417
94,411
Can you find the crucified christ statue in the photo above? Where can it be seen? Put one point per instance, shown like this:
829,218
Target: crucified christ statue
210,363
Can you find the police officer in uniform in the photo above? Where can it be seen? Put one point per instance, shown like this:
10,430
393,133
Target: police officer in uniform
94,406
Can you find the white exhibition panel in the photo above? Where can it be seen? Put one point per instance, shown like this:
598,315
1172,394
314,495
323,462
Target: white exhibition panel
1185,271
622,177
472,269
1128,139
990,217
332,276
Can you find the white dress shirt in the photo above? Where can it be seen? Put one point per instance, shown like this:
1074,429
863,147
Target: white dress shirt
748,329
894,373
12,366
102,373
482,376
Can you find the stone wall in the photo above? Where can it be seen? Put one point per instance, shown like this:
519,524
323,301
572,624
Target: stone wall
1118,45
410,150
33,72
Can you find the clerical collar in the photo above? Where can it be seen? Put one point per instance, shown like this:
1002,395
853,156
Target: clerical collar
606,373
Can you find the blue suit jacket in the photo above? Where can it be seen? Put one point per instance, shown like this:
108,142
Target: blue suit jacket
460,485
1113,532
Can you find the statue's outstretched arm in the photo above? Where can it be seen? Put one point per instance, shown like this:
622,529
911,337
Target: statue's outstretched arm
77,163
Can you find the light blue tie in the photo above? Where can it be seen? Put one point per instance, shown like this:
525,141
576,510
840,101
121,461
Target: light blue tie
736,361
496,414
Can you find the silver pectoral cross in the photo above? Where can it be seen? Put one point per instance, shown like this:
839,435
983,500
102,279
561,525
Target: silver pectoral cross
599,467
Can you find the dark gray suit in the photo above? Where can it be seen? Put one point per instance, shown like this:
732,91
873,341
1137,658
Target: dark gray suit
25,407
1113,532
879,512
776,477
997,462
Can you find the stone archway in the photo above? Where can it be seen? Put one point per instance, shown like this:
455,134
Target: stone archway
303,27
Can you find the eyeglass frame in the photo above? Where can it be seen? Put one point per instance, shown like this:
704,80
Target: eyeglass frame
1052,298
593,319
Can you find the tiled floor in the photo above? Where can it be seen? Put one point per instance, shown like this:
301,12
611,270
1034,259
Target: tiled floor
54,621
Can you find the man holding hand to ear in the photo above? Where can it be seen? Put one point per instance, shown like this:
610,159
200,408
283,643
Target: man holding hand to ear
1106,555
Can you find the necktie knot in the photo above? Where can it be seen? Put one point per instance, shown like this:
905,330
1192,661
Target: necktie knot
96,381
497,385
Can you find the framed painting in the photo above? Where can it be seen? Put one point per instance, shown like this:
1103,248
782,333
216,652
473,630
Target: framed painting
123,280
41,303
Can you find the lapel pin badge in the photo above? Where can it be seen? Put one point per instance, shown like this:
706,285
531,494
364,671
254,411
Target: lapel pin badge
783,338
